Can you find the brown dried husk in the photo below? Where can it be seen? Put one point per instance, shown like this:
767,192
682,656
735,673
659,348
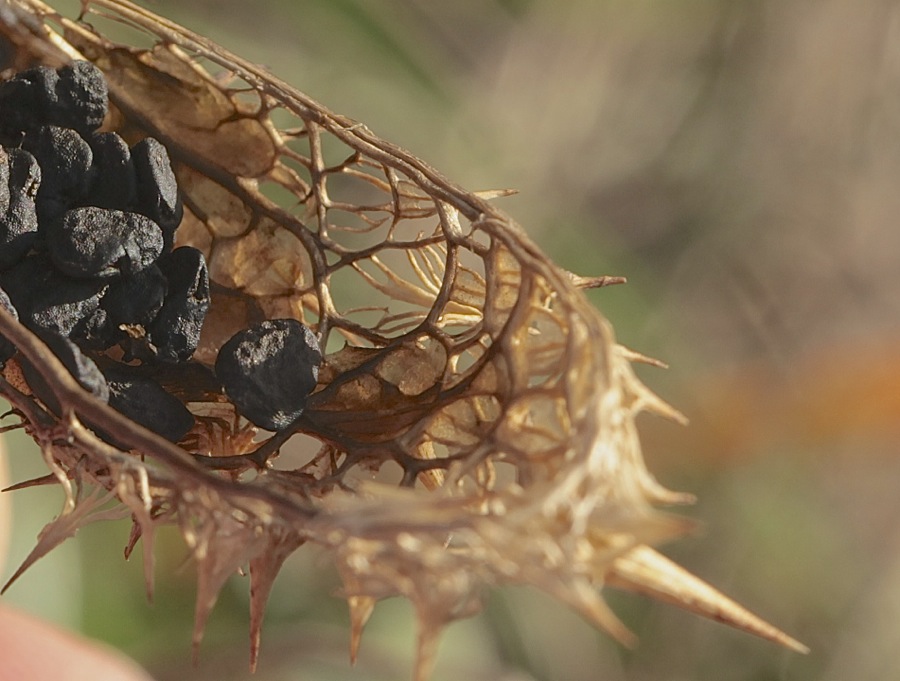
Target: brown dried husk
457,353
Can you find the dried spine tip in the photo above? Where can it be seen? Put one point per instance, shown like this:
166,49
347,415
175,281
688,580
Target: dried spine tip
648,572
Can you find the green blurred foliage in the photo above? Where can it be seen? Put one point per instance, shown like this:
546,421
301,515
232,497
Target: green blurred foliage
738,161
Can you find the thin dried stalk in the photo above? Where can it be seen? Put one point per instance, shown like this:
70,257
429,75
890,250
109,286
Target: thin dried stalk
455,349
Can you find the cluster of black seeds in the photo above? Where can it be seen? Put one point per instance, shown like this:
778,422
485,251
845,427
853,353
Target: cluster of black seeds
87,227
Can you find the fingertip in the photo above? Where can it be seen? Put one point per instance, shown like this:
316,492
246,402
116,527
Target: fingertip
34,650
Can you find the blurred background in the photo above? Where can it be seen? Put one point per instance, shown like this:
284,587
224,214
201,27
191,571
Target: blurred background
739,162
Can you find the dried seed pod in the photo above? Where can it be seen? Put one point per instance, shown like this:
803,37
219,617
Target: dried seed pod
453,346
269,369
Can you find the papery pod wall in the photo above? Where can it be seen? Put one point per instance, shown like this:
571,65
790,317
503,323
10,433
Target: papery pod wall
458,357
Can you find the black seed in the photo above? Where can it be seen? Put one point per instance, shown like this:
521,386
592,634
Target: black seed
19,177
134,300
176,330
18,230
83,369
157,189
23,99
7,349
92,332
269,369
75,96
65,160
24,173
81,97
114,179
101,242
145,402
46,299
4,180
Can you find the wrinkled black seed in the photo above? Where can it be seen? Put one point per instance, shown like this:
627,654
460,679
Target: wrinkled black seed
102,242
65,160
75,96
82,368
50,212
24,173
81,97
7,349
176,330
23,99
157,189
269,369
4,180
144,401
113,173
19,177
18,230
93,333
47,299
135,300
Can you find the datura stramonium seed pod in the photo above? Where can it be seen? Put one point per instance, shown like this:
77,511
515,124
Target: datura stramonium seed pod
451,344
